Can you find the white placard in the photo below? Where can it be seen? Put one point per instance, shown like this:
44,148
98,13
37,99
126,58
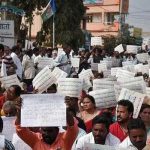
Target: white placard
10,80
86,74
8,127
107,62
94,66
2,142
10,42
43,62
86,85
102,84
119,48
132,49
102,67
48,110
7,28
58,73
107,73
134,97
95,41
43,80
104,98
142,57
75,62
145,69
114,71
124,74
89,146
148,91
70,86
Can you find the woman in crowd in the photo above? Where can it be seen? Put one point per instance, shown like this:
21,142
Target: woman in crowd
89,112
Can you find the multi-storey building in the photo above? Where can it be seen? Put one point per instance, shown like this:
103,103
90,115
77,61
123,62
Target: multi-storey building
102,16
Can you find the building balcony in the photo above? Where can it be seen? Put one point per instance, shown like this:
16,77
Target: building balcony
103,27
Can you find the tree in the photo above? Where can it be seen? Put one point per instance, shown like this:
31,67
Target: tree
67,23
29,7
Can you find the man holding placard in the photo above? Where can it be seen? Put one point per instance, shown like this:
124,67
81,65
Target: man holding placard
49,137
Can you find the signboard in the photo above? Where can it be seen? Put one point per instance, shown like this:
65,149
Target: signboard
96,41
7,41
93,1
6,28
137,32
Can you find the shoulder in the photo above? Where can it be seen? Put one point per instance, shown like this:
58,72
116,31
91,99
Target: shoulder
114,125
113,139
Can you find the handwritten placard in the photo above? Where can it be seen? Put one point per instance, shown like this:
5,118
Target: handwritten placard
119,48
135,97
43,80
58,73
10,80
104,98
102,84
8,127
114,71
107,62
124,74
48,110
90,146
142,57
86,74
102,67
95,41
132,49
94,66
43,62
70,86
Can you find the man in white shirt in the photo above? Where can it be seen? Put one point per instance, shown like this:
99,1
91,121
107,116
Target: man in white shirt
137,136
64,60
99,135
19,71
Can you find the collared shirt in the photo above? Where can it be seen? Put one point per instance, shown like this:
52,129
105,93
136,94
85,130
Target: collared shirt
128,145
63,141
116,130
111,140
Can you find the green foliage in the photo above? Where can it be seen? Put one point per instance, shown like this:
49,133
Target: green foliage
67,23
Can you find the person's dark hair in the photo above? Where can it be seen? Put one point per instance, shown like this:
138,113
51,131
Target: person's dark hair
127,104
17,89
1,124
136,124
14,48
99,120
2,47
108,116
91,99
144,106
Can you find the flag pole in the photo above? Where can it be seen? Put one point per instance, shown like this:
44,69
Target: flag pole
53,30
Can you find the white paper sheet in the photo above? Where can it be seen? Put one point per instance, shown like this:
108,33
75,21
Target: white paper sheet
10,80
119,48
43,80
43,62
94,66
102,67
70,86
43,110
134,97
142,57
104,98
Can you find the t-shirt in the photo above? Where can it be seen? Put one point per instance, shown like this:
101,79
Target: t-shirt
116,130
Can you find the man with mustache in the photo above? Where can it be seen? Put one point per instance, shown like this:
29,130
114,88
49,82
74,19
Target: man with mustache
137,136
99,135
124,112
